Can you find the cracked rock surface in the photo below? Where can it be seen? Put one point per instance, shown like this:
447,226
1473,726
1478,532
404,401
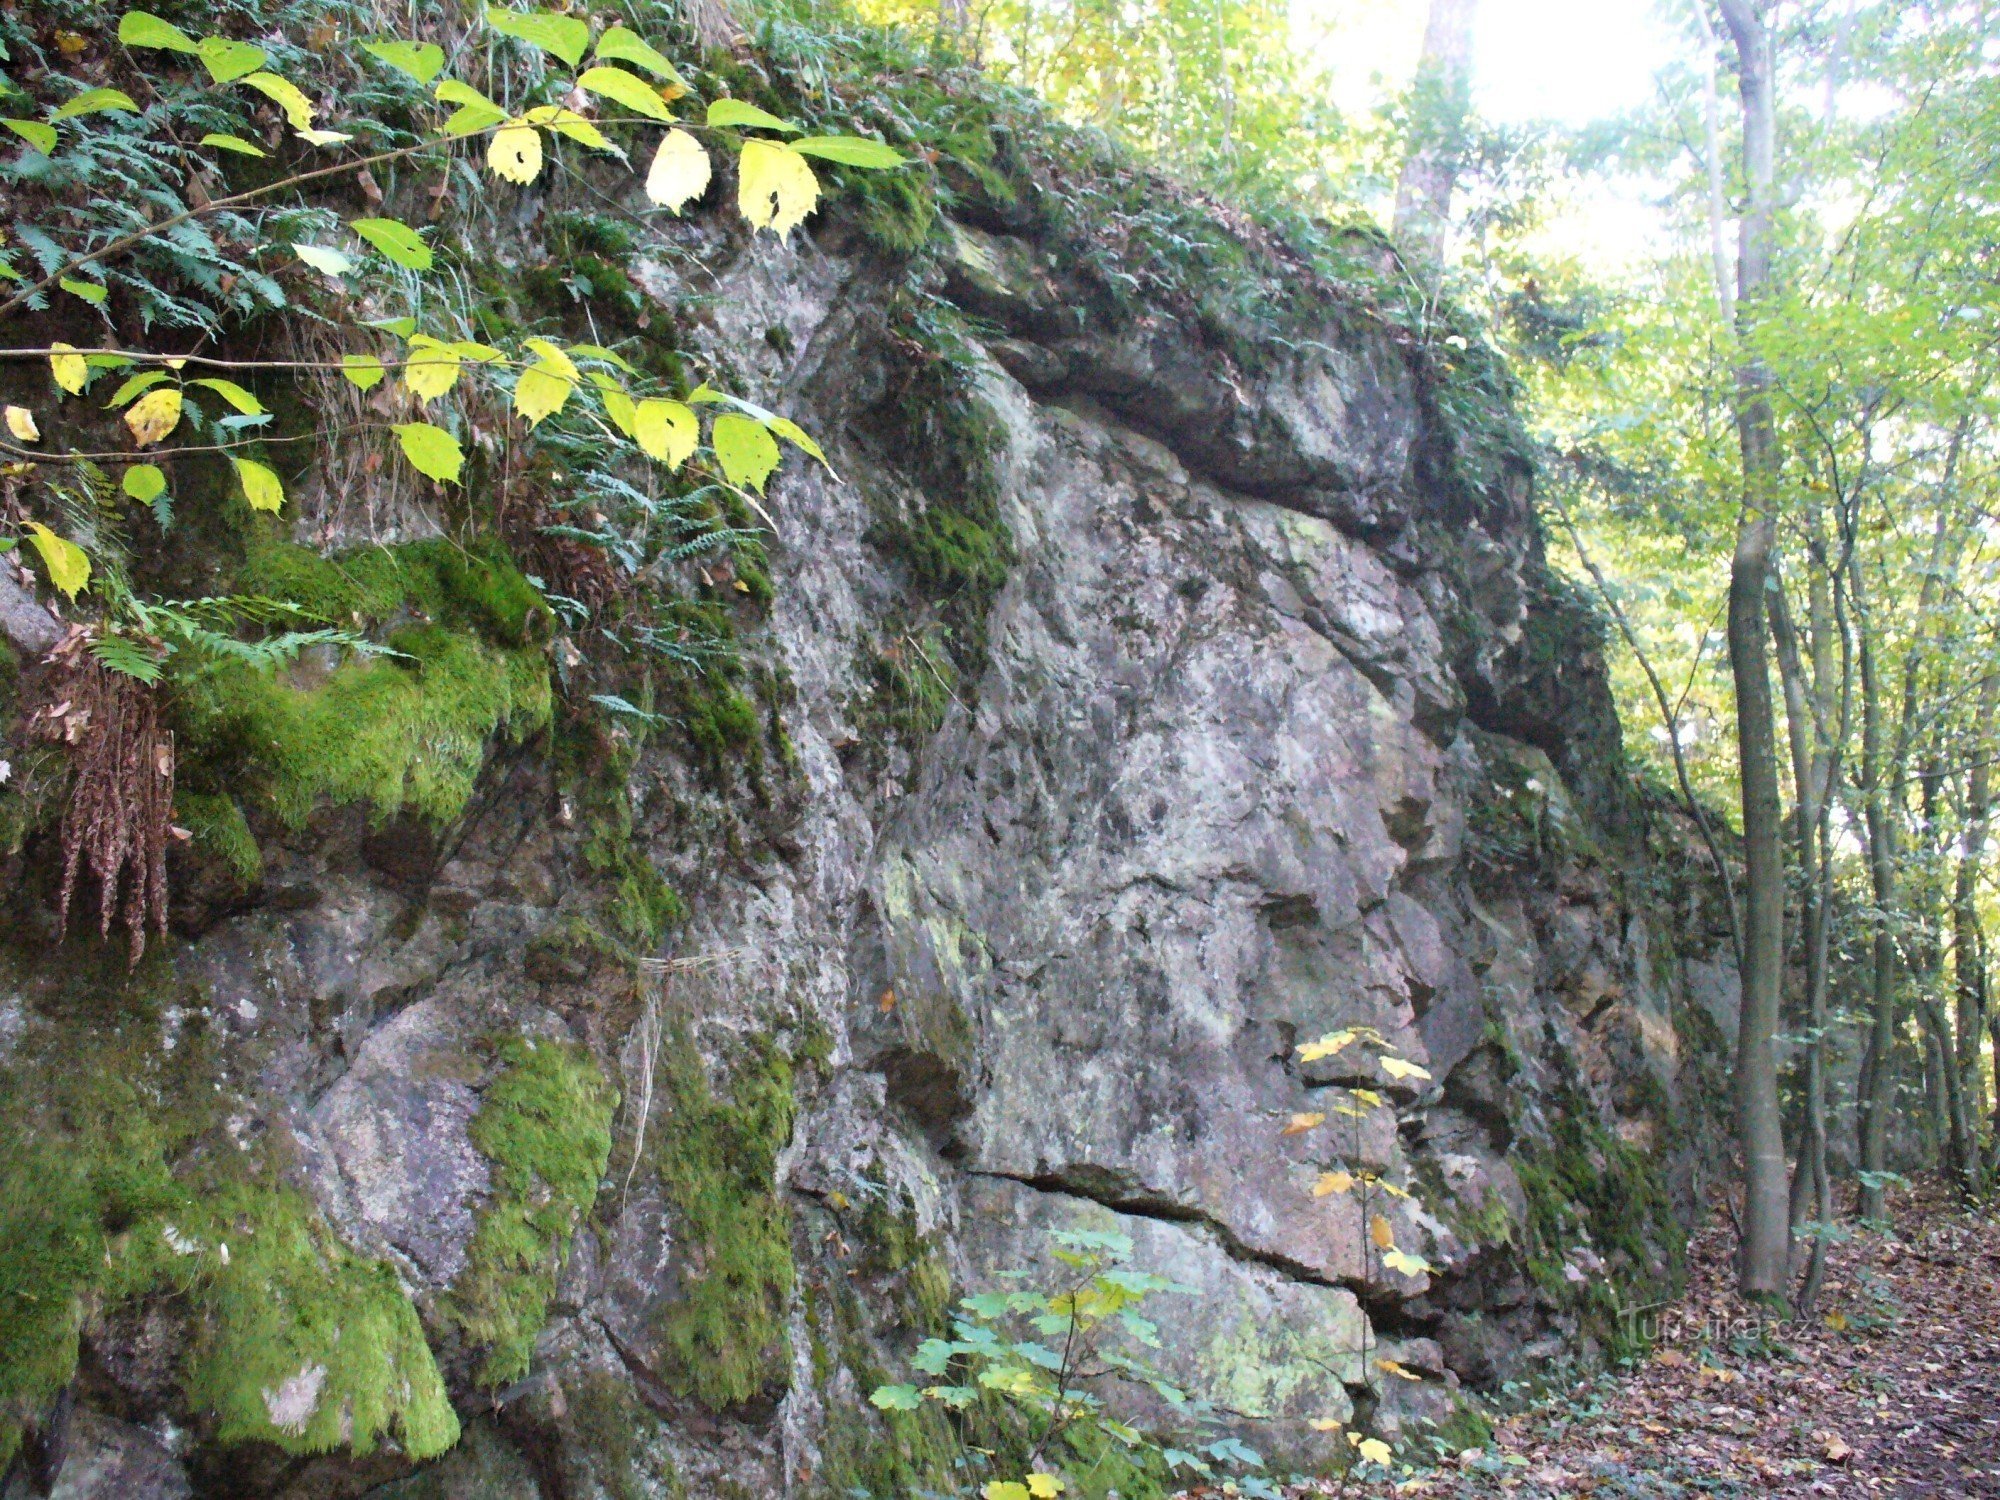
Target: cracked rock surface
1281,726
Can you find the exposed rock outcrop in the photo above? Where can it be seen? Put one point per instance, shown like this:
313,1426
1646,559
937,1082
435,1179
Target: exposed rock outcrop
1193,700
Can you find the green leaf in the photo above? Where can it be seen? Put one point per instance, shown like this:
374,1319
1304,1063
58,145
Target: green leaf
134,386
260,485
37,134
363,370
850,151
476,112
333,262
233,393
736,112
228,61
396,240
69,569
622,44
97,101
144,483
628,89
285,94
895,1398
90,291
234,143
432,451
745,448
565,36
421,60
138,28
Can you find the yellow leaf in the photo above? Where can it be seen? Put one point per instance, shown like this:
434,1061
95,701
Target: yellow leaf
68,367
515,153
1380,1232
260,485
1400,1371
21,422
544,386
285,94
69,569
1005,1489
1368,1097
679,173
1325,1424
776,189
1409,1265
1299,1124
620,408
1332,1182
1395,1067
154,415
1044,1486
666,430
431,369
745,449
1326,1046
1374,1450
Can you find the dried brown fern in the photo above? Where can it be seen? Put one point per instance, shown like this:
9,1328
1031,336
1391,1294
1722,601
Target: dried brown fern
121,797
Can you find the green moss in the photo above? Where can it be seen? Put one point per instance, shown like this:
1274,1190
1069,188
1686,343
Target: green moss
717,1160
638,904
119,1184
1584,1185
721,720
394,734
220,832
545,1125
1466,1427
305,1344
470,585
611,1432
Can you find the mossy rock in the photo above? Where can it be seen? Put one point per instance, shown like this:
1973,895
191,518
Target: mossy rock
118,1185
725,1334
545,1125
407,733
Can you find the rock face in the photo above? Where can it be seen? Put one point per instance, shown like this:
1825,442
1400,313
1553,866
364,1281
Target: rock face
1268,723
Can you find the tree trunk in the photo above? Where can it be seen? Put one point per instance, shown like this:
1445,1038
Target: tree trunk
1878,1060
1968,941
1764,1255
1440,102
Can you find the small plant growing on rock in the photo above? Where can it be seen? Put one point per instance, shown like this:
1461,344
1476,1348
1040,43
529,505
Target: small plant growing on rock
1374,1194
1044,1353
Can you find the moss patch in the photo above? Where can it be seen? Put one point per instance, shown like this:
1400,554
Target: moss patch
1584,1186
393,734
305,1344
545,1125
221,832
716,1157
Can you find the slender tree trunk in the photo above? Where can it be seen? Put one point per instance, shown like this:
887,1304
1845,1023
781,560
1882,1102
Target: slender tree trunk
1877,1061
1951,1120
1804,738
1763,1261
1968,942
1718,198
1440,104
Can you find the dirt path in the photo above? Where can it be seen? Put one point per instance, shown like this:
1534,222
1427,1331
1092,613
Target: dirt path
1893,1389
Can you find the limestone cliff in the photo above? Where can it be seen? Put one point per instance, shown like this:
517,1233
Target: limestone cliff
1149,684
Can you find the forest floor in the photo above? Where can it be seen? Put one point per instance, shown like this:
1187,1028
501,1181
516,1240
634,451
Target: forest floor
1891,1389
